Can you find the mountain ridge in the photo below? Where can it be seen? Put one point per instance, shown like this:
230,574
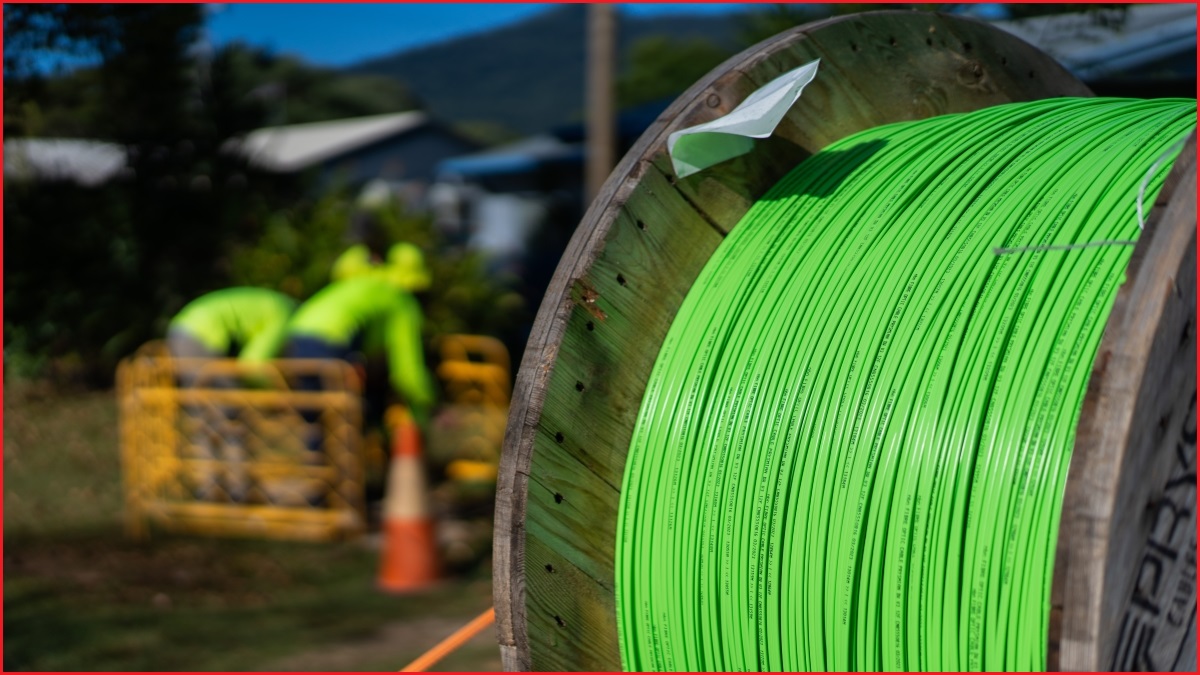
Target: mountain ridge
526,76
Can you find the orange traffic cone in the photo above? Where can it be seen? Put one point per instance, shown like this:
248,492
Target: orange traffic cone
410,557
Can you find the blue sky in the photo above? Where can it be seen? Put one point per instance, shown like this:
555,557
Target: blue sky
344,33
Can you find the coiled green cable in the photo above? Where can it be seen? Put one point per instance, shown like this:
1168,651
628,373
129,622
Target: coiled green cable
852,448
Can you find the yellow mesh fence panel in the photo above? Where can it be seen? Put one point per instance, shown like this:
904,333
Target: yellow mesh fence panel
213,446
476,374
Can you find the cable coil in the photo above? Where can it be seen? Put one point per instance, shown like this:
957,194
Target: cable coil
852,448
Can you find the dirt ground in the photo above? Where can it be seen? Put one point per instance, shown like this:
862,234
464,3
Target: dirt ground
480,653
79,596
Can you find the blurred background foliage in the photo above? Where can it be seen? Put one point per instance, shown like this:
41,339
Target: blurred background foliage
93,272
658,66
299,243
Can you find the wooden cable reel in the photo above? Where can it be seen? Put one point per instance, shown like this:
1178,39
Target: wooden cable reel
1124,580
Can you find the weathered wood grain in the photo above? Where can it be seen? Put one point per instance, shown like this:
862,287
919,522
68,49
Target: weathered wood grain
1124,594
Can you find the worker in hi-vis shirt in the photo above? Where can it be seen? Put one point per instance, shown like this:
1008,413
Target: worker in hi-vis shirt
243,322
374,315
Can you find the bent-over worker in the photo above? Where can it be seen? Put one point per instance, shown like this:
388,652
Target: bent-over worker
377,315
243,322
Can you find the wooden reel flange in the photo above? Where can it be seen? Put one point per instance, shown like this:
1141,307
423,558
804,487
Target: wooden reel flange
1124,588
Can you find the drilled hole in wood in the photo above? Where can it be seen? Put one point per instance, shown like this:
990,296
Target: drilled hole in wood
550,568
558,497
853,47
559,621
641,225
892,41
558,437
966,46
620,280
579,386
591,326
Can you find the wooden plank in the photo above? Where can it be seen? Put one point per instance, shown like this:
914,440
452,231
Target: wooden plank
567,630
628,296
1124,593
529,394
626,291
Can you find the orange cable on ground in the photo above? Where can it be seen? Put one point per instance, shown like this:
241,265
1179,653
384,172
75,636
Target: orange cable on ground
443,648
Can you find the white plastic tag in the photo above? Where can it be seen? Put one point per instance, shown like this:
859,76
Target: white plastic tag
704,145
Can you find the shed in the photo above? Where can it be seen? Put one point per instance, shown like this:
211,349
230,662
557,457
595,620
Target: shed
395,147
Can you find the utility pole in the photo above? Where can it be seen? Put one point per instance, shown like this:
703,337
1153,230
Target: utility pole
601,57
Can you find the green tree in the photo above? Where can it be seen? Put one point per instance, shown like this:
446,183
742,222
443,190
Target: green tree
142,50
91,273
296,248
485,133
659,67
756,26
289,91
135,77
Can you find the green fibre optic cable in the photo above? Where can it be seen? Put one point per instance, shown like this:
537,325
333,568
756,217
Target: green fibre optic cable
852,448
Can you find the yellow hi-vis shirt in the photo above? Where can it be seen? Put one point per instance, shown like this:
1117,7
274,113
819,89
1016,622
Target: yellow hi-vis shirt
372,306
254,318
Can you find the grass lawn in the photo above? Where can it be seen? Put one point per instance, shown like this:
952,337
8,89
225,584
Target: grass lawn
79,596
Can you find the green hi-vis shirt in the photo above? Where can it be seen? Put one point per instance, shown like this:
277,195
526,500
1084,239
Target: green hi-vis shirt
254,318
372,307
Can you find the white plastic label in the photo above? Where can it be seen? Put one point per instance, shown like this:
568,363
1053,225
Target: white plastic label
703,145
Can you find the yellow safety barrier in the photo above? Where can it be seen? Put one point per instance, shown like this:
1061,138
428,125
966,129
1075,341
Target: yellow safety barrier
214,446
476,374
475,349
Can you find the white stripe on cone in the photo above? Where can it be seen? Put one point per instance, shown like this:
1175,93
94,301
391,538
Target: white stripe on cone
406,495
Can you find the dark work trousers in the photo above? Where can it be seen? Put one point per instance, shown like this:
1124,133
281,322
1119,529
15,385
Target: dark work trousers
307,347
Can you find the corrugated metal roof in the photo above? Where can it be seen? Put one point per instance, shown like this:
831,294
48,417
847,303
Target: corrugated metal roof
1090,49
299,146
85,162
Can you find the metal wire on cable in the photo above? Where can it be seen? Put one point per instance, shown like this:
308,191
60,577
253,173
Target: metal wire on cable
852,448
